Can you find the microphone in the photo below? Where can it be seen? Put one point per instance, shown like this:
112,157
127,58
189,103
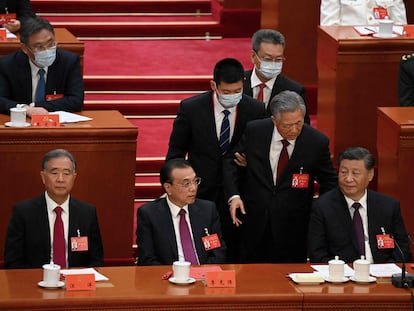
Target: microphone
403,279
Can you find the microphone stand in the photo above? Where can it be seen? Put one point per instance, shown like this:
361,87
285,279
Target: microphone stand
403,279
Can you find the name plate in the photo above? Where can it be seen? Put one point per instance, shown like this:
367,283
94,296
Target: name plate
221,278
80,282
3,34
45,120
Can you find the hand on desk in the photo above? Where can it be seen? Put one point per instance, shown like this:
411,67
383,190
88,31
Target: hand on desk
235,204
35,110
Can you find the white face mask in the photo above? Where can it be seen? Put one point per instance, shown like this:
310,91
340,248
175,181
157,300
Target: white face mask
229,100
45,58
270,70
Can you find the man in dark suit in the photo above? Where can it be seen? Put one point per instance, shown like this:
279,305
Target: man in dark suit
39,58
267,55
406,80
31,238
332,229
274,194
197,128
22,9
159,235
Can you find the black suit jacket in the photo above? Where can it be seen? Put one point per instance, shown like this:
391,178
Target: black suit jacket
63,77
282,83
331,231
286,209
406,80
28,235
22,8
194,132
156,236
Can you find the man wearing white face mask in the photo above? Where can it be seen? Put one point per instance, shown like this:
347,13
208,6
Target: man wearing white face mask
41,77
207,126
265,80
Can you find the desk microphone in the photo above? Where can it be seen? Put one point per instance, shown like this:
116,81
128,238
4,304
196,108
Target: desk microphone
403,279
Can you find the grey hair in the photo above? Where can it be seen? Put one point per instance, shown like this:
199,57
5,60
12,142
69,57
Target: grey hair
268,36
58,153
286,101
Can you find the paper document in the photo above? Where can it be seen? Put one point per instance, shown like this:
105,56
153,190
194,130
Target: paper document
98,276
10,35
370,30
68,117
384,270
324,270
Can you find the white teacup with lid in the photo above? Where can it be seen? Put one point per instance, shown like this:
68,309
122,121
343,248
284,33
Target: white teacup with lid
336,270
361,269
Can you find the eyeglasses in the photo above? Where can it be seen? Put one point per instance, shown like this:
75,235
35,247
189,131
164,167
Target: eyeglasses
50,45
279,59
188,183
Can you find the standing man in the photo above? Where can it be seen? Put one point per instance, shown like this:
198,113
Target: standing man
21,8
176,227
265,80
54,226
272,199
207,126
352,220
41,77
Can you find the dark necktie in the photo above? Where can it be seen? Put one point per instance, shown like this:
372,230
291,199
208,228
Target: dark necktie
40,95
186,241
59,249
225,132
260,96
359,228
283,159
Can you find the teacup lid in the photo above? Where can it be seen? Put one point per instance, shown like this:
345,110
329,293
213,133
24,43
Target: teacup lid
361,261
336,261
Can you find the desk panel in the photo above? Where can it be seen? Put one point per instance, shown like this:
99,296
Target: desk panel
105,150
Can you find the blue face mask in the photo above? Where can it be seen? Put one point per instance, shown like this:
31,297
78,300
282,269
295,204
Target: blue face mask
229,100
45,58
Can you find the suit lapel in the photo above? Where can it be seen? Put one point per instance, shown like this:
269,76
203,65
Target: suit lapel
197,228
165,221
24,75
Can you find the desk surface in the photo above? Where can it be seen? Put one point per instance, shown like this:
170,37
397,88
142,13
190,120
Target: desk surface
259,286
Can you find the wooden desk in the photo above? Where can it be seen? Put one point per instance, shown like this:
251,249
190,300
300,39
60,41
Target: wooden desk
395,143
356,74
64,38
259,287
105,150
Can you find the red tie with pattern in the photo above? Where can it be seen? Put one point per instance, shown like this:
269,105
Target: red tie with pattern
260,96
59,249
186,241
283,159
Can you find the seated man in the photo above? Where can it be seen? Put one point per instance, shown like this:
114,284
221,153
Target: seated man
54,226
406,80
266,80
40,76
352,220
175,227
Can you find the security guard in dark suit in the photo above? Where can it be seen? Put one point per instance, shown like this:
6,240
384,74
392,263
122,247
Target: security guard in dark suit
406,80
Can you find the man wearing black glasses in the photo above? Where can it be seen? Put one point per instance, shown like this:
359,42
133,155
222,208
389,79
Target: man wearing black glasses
40,77
265,80
179,227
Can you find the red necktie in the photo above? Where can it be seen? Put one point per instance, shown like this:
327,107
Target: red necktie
186,241
59,249
283,159
260,94
359,228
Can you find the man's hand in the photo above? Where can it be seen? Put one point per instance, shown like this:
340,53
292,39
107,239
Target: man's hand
240,159
13,25
35,110
234,205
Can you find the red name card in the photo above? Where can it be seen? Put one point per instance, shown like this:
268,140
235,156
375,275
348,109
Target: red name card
3,34
80,282
45,120
221,278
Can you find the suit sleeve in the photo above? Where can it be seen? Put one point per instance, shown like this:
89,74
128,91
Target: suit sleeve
14,248
24,10
317,240
96,248
330,12
401,236
326,175
71,87
217,255
406,83
145,240
180,136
